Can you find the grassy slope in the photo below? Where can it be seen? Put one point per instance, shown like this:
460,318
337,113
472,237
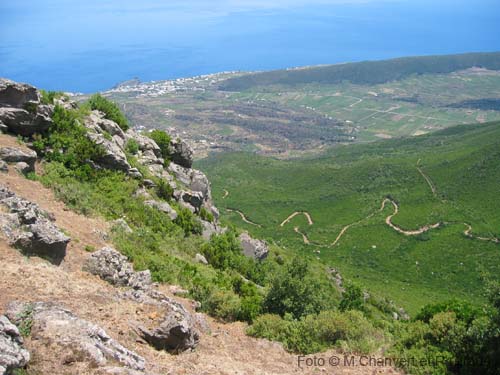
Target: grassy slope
350,182
366,72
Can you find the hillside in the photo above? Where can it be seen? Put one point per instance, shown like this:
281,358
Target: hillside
366,72
449,178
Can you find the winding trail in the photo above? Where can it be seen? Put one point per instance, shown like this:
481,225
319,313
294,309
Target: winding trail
306,214
468,233
226,193
388,221
304,236
243,217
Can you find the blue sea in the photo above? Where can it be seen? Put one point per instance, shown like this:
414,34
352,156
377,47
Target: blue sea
86,46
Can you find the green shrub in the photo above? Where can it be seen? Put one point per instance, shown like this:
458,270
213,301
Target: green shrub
66,142
188,221
164,190
293,290
206,215
350,331
132,147
162,139
47,97
352,298
110,110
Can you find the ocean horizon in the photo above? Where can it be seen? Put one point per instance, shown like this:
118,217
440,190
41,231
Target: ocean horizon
61,45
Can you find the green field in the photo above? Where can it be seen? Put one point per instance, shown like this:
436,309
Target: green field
348,184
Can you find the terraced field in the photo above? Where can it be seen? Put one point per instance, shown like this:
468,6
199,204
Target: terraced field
415,219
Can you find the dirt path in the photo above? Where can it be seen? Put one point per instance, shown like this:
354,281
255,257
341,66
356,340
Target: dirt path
388,221
427,178
306,214
468,233
226,193
304,237
243,217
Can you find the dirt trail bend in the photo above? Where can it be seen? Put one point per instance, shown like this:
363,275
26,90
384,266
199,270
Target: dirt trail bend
304,236
243,217
388,221
306,214
226,193
468,233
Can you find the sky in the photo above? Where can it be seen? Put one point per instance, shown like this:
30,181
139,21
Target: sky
92,45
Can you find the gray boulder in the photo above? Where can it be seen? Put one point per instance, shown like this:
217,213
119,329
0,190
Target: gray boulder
114,157
193,198
12,353
253,248
20,109
16,94
59,329
181,153
114,268
30,228
162,207
175,333
22,167
3,166
16,155
26,123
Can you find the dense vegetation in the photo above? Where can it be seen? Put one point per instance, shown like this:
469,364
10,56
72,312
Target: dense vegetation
366,72
348,185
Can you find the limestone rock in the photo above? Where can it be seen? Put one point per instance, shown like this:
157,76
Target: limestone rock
3,166
12,353
253,248
181,153
74,338
114,268
30,228
16,94
16,155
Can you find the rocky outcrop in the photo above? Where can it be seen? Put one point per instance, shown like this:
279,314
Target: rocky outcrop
176,330
21,110
16,94
210,229
162,207
114,268
253,248
181,153
31,229
72,338
12,353
16,155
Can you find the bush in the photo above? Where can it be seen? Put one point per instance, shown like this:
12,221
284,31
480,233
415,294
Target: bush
293,290
352,298
66,142
47,97
188,222
206,215
132,147
162,139
350,331
110,110
164,190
